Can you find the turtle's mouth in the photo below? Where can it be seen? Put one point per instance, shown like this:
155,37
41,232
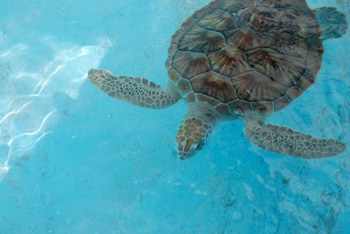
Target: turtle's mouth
184,155
186,150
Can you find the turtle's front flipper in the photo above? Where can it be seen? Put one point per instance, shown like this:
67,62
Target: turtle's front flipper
332,21
290,142
136,90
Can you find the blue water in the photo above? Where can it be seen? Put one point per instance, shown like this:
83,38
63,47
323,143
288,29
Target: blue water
73,160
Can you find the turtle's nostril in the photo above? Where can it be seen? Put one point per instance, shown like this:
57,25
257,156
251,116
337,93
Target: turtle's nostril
181,155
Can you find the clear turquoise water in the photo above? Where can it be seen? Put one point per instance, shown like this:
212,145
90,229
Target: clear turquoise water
73,160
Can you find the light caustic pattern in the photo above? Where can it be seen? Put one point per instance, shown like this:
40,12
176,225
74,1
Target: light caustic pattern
27,85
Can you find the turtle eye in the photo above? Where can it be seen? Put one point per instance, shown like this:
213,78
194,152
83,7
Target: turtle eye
198,145
195,146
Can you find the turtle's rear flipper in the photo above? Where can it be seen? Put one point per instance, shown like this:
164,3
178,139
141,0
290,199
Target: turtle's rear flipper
136,90
290,142
332,21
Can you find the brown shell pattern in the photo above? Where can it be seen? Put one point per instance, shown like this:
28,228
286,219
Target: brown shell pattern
246,55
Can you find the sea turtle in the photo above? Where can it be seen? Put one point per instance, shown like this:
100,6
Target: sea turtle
239,59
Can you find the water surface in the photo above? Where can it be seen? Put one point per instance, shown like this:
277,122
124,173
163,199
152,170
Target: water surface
73,160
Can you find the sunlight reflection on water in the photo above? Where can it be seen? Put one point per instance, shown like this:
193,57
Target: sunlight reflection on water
28,111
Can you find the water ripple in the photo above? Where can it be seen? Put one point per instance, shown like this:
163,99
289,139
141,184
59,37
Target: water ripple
27,85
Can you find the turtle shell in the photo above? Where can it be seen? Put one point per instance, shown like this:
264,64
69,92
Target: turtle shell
246,55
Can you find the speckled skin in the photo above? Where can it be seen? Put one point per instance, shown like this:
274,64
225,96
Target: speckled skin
239,58
136,90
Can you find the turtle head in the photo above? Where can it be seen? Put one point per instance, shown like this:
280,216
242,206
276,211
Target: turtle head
191,136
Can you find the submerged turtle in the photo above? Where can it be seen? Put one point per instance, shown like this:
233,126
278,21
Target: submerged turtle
239,59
